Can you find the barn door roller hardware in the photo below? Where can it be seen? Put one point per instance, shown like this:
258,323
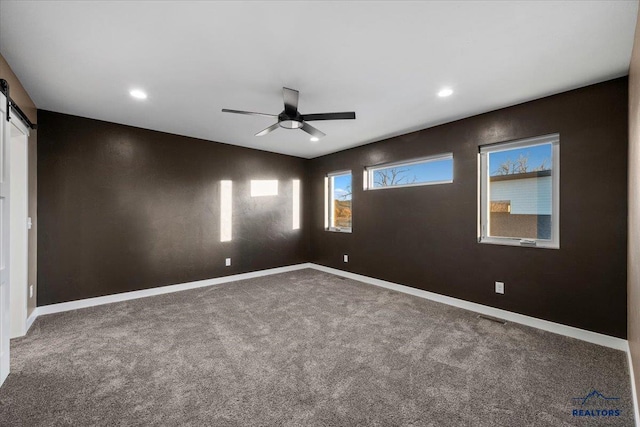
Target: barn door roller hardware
4,87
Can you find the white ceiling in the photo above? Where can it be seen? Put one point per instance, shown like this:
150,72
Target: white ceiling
384,60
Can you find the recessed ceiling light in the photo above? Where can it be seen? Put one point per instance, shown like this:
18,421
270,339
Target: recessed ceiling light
138,94
445,92
314,139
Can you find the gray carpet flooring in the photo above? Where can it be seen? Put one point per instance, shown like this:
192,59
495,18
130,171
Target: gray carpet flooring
304,348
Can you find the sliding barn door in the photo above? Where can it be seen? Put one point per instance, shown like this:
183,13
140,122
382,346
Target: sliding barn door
4,243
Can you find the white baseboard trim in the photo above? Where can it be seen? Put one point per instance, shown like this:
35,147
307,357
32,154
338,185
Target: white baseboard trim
634,392
126,296
32,317
545,325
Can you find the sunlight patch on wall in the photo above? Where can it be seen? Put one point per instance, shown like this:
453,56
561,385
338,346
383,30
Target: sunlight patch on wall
264,187
225,210
296,204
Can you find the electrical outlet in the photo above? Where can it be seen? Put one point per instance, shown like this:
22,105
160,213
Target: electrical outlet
31,291
345,258
227,262
499,287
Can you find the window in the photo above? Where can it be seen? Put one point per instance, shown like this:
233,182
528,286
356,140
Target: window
338,207
425,171
520,192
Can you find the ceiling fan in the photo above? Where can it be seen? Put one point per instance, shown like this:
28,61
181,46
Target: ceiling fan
290,118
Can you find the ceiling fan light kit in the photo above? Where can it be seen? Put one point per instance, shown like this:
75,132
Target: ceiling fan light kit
290,117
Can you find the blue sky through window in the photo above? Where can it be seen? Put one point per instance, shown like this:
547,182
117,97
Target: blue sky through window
429,171
342,187
537,156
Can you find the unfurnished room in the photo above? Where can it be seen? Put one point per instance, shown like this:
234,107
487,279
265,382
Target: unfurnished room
319,213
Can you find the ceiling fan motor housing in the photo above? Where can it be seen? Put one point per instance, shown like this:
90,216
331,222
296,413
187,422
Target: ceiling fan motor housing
288,122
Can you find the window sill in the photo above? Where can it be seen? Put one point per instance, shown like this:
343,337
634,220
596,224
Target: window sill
338,230
543,244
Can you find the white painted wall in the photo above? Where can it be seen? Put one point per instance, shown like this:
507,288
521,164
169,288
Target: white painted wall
527,196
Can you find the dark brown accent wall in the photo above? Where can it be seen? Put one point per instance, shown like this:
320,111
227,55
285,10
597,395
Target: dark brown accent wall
123,209
633,284
426,236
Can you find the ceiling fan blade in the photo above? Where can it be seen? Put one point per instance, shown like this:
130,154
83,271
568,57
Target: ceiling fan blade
290,101
268,130
350,115
312,131
248,113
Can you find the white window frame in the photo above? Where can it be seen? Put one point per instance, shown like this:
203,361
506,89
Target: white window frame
369,172
484,196
329,207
